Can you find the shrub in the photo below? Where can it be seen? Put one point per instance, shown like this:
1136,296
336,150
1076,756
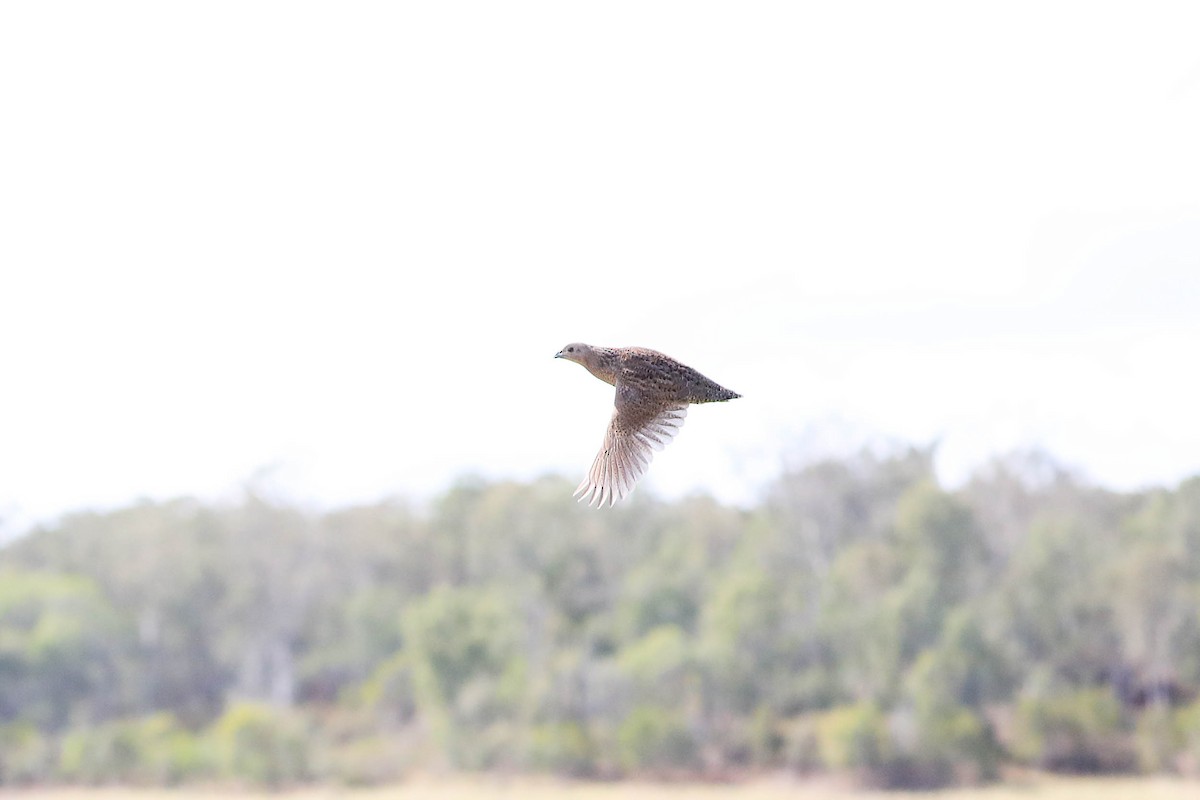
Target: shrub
262,745
853,737
947,745
1186,725
1157,739
942,739
562,747
766,739
24,754
366,760
801,744
656,740
389,689
1079,731
149,750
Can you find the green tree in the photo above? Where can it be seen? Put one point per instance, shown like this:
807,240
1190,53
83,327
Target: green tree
469,677
61,648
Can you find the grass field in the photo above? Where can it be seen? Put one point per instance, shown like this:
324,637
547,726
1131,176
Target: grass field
1034,788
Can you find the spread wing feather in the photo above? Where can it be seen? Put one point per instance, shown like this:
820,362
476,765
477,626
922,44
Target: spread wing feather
629,445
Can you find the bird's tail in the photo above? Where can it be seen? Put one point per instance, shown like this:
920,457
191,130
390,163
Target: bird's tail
714,394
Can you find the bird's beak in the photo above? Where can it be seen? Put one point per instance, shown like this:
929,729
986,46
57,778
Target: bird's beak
558,354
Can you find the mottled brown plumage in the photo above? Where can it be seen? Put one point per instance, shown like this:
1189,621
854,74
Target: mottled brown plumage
653,393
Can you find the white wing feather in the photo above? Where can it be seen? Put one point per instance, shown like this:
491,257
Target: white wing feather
626,455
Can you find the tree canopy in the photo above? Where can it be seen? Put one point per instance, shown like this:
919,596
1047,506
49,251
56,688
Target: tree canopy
859,617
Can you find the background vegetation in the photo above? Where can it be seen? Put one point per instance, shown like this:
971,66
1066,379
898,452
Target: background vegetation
860,618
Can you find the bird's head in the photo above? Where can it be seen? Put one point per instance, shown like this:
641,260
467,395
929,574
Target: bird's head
603,362
578,352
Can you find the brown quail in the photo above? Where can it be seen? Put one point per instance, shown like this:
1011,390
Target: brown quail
653,393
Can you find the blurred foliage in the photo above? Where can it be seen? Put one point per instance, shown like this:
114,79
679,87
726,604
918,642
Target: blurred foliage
657,740
151,750
262,745
855,737
1079,730
860,618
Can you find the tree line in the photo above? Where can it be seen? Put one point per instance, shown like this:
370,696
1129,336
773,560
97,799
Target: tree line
859,618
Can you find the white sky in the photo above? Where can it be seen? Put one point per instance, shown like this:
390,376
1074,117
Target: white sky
347,239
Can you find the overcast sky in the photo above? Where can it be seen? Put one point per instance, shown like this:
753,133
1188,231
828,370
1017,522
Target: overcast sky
345,240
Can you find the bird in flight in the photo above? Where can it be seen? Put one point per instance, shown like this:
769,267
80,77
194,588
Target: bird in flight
653,393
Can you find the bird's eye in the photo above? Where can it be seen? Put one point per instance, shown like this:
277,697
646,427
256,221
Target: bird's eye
570,349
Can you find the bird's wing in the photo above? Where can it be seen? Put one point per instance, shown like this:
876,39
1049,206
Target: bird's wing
636,430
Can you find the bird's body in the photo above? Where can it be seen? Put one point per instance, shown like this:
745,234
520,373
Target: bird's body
653,393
